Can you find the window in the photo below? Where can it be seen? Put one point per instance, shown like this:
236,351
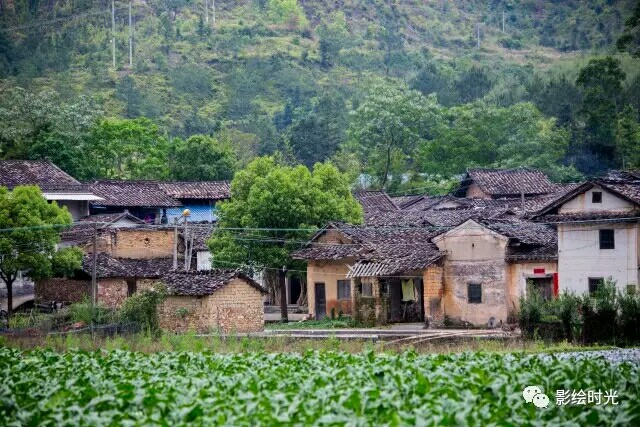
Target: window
367,290
344,289
596,197
607,239
474,293
131,287
594,284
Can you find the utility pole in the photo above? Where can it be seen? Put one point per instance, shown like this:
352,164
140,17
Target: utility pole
213,12
175,246
503,22
113,32
94,262
186,242
130,39
478,27
284,313
206,11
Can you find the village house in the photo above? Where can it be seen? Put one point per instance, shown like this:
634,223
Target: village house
216,300
226,301
55,184
466,265
483,183
598,226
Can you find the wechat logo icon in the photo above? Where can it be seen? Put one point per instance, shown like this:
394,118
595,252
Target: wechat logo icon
533,394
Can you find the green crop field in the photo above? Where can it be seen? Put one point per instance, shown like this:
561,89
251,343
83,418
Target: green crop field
117,387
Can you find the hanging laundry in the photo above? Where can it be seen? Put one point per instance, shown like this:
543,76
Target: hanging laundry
407,290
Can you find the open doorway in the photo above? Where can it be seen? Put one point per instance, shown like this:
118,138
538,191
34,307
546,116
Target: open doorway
542,285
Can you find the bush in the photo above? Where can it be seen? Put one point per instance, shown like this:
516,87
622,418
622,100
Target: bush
85,312
142,309
531,311
599,312
629,318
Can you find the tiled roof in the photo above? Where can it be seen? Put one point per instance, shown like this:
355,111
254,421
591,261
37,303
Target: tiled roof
401,201
385,250
533,253
213,190
507,182
200,283
132,193
42,173
526,232
375,201
201,233
625,185
435,218
82,230
632,216
108,266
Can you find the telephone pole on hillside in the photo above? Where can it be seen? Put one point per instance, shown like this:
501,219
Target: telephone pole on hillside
130,39
503,22
213,12
478,28
113,32
206,11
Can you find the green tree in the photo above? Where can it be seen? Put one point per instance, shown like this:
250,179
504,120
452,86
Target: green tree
628,138
481,135
30,231
388,126
473,84
601,83
391,39
287,12
334,35
630,39
201,158
316,136
273,202
127,149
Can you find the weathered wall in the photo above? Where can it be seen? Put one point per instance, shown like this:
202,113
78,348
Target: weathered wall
141,243
475,192
236,308
583,203
61,289
474,255
580,256
327,272
432,279
112,291
517,275
77,208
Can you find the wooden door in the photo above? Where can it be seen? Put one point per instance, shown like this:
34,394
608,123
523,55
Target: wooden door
321,301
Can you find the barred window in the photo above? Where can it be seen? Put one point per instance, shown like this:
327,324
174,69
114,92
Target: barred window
474,293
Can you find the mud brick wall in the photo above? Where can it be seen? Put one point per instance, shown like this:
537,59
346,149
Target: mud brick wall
112,292
61,289
433,289
235,308
142,244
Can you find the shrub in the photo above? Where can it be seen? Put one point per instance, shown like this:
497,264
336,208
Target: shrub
599,312
531,312
142,309
629,318
85,312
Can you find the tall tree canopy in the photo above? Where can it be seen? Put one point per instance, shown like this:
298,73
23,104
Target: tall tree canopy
284,199
201,158
128,149
387,128
30,231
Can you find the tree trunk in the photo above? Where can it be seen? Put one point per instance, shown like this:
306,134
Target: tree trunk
9,283
284,312
302,299
271,282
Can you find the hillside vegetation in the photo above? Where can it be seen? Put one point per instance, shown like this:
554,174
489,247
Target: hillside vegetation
283,76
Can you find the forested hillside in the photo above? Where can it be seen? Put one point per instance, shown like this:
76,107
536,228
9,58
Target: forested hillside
409,92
